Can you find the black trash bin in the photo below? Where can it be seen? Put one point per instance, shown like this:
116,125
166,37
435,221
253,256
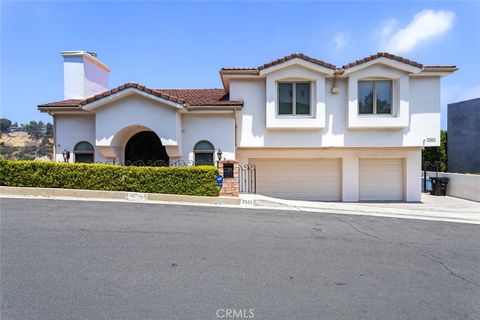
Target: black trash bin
439,186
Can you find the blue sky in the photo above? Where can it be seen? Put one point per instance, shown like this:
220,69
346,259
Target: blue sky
184,44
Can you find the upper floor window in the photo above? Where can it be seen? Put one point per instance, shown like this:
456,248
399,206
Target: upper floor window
294,98
203,151
83,152
375,97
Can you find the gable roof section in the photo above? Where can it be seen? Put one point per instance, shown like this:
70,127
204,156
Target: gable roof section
299,56
280,61
189,97
240,70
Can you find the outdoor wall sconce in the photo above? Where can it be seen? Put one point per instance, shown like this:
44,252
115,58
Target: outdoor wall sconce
66,155
219,154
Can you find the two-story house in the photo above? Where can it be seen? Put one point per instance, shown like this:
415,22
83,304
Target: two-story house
313,130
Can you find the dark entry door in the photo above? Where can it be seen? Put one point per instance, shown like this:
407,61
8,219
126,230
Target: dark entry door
145,147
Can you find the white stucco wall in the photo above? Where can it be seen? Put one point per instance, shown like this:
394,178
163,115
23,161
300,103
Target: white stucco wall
113,124
400,101
424,112
423,118
96,78
350,164
119,121
73,78
83,77
464,186
219,130
72,129
316,119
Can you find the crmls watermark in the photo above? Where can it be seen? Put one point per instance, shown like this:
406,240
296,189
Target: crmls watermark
235,313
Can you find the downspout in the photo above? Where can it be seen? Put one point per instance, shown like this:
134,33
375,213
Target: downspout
235,132
54,136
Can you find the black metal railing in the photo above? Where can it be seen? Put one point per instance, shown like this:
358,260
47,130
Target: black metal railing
157,163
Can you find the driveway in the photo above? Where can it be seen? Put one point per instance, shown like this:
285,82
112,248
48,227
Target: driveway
106,260
430,208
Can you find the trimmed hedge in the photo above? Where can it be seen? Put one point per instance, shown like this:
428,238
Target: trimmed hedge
198,180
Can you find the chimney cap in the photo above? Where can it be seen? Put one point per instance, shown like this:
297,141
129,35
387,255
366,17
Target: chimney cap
88,54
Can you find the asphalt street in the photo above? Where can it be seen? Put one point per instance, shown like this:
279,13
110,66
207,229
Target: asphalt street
106,260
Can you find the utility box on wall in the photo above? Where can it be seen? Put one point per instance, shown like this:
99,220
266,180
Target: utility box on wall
229,170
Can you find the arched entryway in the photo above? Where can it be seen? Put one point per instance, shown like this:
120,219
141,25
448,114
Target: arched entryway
146,147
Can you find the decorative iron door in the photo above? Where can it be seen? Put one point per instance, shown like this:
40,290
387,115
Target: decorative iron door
247,178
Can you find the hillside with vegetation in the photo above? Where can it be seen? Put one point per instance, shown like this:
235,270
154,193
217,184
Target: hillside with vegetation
30,141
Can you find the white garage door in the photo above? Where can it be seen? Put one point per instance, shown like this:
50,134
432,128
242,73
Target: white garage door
381,179
300,179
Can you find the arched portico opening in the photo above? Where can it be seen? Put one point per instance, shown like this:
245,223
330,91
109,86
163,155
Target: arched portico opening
145,146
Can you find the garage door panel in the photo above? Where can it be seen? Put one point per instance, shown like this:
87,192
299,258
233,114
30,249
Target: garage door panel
381,179
302,179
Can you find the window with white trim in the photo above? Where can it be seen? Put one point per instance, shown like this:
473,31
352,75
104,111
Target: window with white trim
375,96
294,98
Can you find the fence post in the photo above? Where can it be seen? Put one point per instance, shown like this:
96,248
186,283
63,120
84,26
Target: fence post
230,179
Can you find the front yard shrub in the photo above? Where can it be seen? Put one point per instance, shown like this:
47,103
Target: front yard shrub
198,180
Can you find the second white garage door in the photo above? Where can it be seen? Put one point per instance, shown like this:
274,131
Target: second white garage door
381,179
300,179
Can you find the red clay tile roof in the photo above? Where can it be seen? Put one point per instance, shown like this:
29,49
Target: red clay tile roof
328,65
201,97
382,55
63,103
192,97
300,56
286,58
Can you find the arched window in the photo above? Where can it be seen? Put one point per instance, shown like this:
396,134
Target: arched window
83,152
203,151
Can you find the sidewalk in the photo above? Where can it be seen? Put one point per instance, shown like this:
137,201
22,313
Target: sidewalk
78,194
431,208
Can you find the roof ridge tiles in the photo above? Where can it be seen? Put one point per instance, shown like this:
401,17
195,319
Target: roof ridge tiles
302,56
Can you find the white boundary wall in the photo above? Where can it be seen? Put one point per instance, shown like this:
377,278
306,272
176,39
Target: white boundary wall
465,186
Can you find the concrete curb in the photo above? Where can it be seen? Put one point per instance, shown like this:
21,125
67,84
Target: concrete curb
242,202
115,195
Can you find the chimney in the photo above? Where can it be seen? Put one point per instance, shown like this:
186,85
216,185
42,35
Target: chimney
84,75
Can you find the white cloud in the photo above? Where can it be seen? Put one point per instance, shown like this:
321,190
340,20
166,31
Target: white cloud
387,28
340,40
425,25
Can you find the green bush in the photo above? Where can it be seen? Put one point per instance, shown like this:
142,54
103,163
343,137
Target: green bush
198,180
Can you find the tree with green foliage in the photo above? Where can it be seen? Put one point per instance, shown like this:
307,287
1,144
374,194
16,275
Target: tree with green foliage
5,125
432,154
49,130
34,129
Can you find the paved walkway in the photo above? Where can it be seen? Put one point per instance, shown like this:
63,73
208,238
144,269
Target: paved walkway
431,207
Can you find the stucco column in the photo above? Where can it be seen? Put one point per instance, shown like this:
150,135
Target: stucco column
413,168
350,176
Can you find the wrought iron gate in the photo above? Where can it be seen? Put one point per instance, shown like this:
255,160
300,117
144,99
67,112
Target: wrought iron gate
247,182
